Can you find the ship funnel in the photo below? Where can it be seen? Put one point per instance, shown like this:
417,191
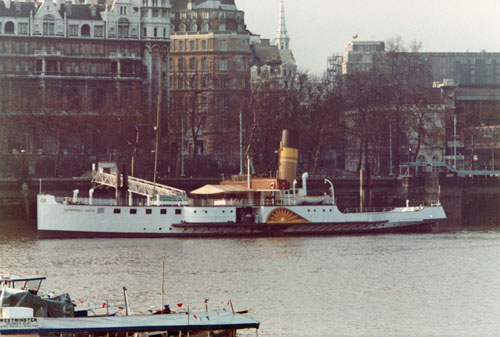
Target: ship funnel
288,156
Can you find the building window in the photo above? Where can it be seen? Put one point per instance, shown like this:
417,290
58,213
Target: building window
205,15
205,27
155,12
204,44
182,27
26,47
204,83
123,26
194,15
222,45
192,45
9,27
181,64
76,49
193,27
48,25
181,45
164,32
192,63
203,64
222,27
155,32
222,64
99,31
85,30
73,30
145,32
23,28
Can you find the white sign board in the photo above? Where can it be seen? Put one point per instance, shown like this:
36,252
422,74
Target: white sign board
21,323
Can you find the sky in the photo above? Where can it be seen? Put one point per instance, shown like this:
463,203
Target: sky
321,28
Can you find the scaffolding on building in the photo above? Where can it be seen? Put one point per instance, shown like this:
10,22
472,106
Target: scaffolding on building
334,71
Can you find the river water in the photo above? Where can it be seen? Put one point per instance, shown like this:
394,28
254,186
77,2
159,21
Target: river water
384,285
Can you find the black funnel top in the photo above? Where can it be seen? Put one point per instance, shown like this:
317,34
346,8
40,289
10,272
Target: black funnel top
290,138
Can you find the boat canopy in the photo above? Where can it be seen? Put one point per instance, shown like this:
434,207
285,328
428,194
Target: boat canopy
221,189
57,306
146,323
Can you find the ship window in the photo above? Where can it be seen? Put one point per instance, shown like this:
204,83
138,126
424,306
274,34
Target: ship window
194,212
223,211
116,211
163,211
178,211
133,211
148,210
324,210
206,212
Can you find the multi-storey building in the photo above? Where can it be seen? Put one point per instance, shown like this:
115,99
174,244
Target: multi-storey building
274,64
210,58
63,58
464,67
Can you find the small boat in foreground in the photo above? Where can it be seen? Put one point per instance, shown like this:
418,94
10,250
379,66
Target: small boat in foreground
243,206
23,312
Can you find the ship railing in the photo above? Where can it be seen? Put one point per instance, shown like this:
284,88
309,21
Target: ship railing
369,210
413,205
103,202
237,202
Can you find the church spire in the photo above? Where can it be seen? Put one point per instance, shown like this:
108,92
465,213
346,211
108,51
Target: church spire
282,38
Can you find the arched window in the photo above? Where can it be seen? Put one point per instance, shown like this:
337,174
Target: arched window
9,27
193,27
421,158
85,30
172,28
182,27
123,27
205,27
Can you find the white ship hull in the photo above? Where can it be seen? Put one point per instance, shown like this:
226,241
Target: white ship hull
59,220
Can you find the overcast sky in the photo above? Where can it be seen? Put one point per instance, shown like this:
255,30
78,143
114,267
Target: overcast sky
319,28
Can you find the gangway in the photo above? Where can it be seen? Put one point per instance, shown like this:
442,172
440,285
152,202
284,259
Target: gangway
136,185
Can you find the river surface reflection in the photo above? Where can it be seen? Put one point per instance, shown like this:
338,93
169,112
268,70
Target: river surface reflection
385,285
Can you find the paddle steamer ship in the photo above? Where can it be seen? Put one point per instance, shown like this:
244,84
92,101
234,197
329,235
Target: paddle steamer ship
239,207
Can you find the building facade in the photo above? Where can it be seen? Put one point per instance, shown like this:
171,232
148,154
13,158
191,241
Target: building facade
209,65
464,67
67,59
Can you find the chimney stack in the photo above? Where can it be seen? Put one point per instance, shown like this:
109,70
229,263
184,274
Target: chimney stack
288,156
